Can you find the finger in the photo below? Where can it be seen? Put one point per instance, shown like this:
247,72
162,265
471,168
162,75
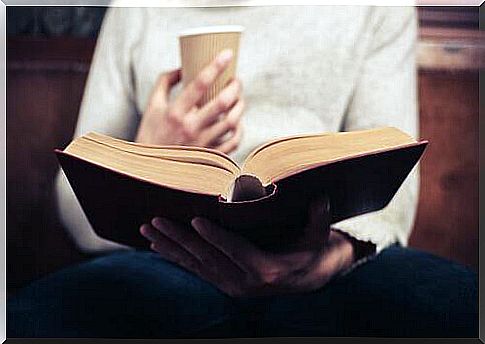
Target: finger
337,257
318,225
194,91
169,79
240,251
212,135
224,282
231,144
173,253
159,95
166,81
170,250
150,233
190,240
210,113
191,264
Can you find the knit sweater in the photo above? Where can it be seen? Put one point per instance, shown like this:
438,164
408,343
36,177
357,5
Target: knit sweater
304,69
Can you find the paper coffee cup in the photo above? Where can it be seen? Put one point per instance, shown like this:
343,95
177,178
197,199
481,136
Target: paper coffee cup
199,46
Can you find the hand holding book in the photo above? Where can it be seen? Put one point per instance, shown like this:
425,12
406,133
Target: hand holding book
239,268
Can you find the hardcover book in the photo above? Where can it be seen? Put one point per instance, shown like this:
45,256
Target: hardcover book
121,185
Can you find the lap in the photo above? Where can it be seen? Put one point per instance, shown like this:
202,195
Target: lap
402,292
123,295
137,294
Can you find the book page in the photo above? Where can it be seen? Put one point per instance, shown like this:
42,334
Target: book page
191,170
286,156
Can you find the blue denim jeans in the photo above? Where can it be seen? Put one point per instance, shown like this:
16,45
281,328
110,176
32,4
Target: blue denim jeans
400,293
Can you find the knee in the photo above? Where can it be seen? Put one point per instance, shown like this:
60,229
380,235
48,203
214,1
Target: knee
430,296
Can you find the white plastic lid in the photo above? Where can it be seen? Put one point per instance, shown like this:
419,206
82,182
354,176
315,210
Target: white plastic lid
211,29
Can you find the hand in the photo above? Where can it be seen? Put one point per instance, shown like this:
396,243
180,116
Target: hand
238,268
183,122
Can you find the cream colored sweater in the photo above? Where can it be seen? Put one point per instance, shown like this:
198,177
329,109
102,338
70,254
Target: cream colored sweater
305,69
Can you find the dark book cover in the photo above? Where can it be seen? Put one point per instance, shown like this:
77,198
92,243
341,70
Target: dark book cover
116,205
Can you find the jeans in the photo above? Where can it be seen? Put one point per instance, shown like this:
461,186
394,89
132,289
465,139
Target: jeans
400,293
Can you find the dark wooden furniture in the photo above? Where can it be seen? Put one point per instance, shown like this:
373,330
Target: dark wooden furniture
447,218
45,80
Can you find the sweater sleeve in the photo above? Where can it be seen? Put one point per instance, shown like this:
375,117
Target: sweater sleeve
108,107
385,95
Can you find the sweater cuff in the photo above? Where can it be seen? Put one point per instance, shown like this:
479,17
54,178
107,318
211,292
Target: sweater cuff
364,251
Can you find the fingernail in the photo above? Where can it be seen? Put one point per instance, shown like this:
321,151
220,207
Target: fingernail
195,222
198,224
157,222
224,56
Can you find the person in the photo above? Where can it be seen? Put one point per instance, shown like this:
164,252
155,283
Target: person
304,69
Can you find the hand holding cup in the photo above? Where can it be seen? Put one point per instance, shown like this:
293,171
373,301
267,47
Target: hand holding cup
199,116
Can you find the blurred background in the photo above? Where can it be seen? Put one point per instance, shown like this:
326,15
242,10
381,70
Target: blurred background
49,51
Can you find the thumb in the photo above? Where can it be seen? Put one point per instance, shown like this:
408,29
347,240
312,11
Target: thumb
167,80
318,225
160,92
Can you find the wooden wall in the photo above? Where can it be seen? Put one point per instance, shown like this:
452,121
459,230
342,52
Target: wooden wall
447,218
45,79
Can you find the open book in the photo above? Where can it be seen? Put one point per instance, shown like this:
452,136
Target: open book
121,185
